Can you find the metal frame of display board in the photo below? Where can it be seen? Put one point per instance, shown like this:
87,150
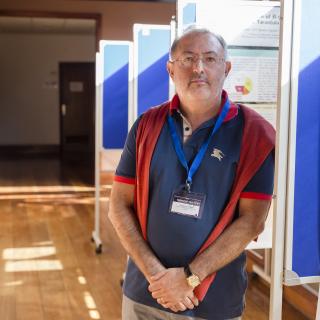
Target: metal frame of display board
96,232
275,309
173,35
109,112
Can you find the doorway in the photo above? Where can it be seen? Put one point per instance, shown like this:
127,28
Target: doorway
33,44
77,115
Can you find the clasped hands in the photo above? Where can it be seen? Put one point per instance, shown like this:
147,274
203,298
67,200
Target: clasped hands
170,288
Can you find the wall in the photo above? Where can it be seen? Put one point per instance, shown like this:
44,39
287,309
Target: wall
29,105
117,16
28,109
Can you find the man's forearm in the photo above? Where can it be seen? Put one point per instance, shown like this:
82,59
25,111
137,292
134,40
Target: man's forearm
226,248
126,225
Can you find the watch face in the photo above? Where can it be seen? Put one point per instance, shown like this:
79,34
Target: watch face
193,281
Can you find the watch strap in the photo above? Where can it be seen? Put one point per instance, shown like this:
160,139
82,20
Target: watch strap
187,271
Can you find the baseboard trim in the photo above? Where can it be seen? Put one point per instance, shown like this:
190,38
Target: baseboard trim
9,151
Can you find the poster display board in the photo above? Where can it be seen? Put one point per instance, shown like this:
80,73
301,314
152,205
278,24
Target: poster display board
302,250
256,23
253,42
113,105
296,238
253,45
115,92
186,14
151,52
116,99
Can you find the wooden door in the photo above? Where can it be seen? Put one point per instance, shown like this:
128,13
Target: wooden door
77,105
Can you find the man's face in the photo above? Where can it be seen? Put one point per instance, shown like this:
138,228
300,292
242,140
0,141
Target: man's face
198,69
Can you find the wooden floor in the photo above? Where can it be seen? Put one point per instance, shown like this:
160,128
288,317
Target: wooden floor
49,268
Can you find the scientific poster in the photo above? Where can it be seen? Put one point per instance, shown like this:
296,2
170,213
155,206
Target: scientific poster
251,30
242,23
253,76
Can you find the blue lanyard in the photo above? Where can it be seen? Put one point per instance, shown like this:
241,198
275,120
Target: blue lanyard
199,157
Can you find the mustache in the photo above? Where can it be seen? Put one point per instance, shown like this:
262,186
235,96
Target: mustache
195,79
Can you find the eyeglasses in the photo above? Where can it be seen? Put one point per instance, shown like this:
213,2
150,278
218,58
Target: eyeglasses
209,61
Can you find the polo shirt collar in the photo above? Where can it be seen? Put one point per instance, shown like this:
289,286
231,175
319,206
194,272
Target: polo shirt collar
233,111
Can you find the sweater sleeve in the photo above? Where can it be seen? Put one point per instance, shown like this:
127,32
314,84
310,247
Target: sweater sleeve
261,184
126,169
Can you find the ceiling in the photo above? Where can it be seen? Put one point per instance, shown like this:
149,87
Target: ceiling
54,25
169,1
46,25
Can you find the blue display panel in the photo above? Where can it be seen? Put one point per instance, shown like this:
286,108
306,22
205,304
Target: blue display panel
151,45
306,226
186,14
189,14
115,94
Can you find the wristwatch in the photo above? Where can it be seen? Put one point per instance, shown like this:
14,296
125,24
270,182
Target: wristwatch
192,279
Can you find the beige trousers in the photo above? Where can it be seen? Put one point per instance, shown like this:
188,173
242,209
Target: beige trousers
132,310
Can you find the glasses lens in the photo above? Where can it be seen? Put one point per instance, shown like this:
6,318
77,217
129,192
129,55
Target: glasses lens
208,60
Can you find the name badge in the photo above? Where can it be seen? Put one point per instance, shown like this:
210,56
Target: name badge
186,203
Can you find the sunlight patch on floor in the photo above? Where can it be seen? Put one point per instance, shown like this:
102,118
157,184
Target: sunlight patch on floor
33,265
13,283
27,253
91,305
82,280
36,189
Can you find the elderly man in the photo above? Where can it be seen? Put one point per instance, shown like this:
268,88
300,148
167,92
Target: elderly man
192,189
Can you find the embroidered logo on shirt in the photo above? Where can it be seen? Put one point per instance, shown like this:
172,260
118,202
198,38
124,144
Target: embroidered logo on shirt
217,154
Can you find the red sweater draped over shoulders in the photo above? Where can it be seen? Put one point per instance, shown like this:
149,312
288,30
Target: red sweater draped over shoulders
258,140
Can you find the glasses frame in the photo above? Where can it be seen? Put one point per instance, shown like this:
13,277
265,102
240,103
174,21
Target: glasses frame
196,59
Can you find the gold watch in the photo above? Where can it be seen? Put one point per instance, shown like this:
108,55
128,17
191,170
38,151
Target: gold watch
192,279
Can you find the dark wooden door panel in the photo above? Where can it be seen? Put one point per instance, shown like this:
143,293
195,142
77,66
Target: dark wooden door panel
77,105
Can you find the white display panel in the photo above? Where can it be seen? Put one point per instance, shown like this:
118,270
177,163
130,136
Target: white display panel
302,249
151,45
248,23
253,41
186,14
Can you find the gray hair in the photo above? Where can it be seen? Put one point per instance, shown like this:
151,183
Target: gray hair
199,30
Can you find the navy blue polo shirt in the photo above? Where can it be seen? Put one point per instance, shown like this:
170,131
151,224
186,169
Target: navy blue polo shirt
175,239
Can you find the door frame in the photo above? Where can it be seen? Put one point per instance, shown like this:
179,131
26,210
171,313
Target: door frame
97,17
60,100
